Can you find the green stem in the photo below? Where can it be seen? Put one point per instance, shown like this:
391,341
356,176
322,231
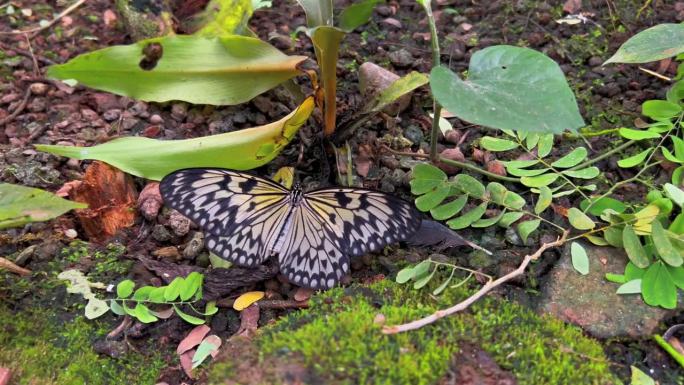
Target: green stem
668,348
603,156
436,107
470,167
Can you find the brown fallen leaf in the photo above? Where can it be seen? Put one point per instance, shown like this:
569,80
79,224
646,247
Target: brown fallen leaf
249,321
363,160
216,341
572,6
193,339
186,362
110,195
303,294
67,188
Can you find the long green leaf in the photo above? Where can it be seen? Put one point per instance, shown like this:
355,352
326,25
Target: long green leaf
225,70
326,42
655,43
20,205
318,12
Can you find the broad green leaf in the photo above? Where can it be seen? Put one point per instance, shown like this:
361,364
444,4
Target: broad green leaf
326,41
116,308
211,308
486,222
424,280
513,200
143,293
397,89
670,156
655,43
190,285
543,201
677,225
20,205
633,272
580,220
526,228
509,218
598,241
431,199
497,144
676,93
531,140
153,159
664,204
469,185
247,299
631,287
497,192
634,160
509,88
222,18
450,209
657,287
404,275
640,378
173,289
580,260
125,288
635,251
357,14
318,12
677,275
678,175
660,109
422,269
666,250
467,218
678,147
572,159
187,317
226,70
545,145
209,346
157,295
631,134
143,314
520,163
585,173
526,172
95,308
426,177
538,181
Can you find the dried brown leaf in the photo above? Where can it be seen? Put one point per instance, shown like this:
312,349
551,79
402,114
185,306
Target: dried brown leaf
193,339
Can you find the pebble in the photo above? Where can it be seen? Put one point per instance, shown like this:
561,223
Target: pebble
111,115
156,119
9,98
161,234
70,233
193,248
25,255
414,134
38,104
179,111
179,224
38,88
401,58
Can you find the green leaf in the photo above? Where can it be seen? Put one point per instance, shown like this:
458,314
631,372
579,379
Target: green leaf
545,145
426,177
497,192
618,278
634,160
211,308
432,198
631,134
677,275
509,218
580,220
585,173
675,193
572,159
395,90
424,280
226,70
538,181
421,269
513,200
190,285
657,287
633,272
486,222
206,348
469,217
509,88
521,163
660,109
143,314
444,284
143,293
156,295
240,150
580,260
450,209
599,205
677,225
20,205
655,43
635,251
406,274
357,14
531,140
125,288
631,287
662,243
526,228
544,200
222,18
173,289
187,317
318,12
95,308
469,185
640,378
678,147
116,308
524,172
497,144
669,156
598,241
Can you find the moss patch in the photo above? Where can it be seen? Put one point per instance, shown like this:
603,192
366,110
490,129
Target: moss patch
338,341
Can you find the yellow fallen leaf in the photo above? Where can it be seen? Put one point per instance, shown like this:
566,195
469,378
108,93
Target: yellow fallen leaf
645,216
242,302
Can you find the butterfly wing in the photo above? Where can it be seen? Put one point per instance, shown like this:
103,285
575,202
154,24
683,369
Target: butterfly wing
241,214
331,225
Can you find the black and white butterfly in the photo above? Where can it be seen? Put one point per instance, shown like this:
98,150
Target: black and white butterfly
247,219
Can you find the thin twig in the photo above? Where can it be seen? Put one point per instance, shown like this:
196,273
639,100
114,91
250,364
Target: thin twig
28,54
268,303
35,31
19,108
14,268
125,324
36,67
417,324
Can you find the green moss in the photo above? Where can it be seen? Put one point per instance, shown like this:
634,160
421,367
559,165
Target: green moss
55,351
338,340
108,261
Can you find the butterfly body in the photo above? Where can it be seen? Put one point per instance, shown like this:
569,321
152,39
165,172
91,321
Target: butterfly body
247,219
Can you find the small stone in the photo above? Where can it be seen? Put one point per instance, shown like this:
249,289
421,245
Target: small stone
373,79
150,201
111,115
414,134
401,58
179,111
193,248
513,238
38,88
451,154
105,101
38,104
203,260
161,234
453,136
152,131
156,119
25,255
595,61
478,259
129,123
111,348
89,115
263,104
70,233
179,224
139,109
389,161
219,322
9,98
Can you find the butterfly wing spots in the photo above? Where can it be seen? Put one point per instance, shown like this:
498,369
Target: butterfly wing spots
309,256
364,220
238,249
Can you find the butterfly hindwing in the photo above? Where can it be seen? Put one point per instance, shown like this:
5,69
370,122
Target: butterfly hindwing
241,214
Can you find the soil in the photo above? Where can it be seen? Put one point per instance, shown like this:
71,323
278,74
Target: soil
34,109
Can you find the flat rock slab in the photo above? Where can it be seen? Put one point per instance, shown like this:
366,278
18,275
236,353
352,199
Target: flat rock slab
590,302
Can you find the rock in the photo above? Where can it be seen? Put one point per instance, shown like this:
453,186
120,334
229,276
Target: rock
161,234
590,302
414,134
150,201
193,248
111,115
114,349
38,104
179,224
451,154
25,255
179,111
401,58
373,79
156,119
38,88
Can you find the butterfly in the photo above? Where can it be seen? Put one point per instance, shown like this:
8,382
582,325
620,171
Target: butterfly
247,219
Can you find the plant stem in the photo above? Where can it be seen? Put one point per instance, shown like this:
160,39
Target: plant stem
603,156
470,167
436,107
